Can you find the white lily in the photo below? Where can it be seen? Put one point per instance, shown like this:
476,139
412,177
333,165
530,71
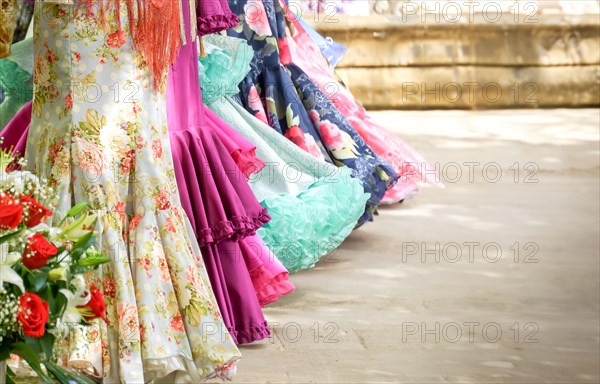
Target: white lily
75,299
77,229
7,274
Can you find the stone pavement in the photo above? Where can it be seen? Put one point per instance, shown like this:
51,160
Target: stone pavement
494,279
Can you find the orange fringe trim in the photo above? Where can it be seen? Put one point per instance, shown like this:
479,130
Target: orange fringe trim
154,27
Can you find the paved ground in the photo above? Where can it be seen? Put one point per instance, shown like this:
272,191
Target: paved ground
520,306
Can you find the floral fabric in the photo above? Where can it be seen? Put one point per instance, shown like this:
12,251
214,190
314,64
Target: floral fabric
286,99
313,205
304,53
99,134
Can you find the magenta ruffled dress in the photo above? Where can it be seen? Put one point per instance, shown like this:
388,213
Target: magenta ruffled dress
219,202
214,16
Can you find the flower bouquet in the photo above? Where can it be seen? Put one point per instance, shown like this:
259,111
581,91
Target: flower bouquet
42,269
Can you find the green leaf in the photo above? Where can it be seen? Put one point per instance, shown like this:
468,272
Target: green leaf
84,240
74,377
60,304
92,261
9,375
54,371
289,113
37,280
33,343
76,210
5,349
9,379
21,349
47,343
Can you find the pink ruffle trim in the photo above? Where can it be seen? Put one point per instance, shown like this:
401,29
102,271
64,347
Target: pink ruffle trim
247,162
216,23
270,288
235,229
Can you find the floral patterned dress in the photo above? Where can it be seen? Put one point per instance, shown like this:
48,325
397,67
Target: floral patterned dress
286,99
411,168
99,134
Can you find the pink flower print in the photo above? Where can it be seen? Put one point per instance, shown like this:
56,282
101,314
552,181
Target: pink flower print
157,148
314,117
256,105
193,277
295,135
90,157
128,323
163,269
312,147
163,200
134,222
145,263
177,324
331,135
170,226
69,100
110,287
256,17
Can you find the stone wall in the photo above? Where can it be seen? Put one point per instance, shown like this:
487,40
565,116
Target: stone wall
441,59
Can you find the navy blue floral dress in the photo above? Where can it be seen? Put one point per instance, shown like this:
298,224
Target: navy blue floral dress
286,99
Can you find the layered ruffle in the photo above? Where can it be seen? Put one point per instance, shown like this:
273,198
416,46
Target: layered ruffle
241,150
214,193
312,209
216,23
248,163
214,16
270,288
214,188
269,276
331,209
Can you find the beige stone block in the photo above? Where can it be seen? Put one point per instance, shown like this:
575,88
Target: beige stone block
379,41
474,87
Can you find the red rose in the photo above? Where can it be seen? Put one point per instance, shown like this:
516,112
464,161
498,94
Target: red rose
33,315
11,211
37,213
96,304
38,251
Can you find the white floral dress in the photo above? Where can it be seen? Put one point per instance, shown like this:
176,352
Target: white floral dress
99,134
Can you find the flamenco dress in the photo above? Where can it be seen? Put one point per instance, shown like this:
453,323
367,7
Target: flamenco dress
215,195
115,154
314,205
286,99
215,16
302,51
269,277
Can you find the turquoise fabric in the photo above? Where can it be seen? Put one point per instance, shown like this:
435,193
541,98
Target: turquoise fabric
314,205
16,80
